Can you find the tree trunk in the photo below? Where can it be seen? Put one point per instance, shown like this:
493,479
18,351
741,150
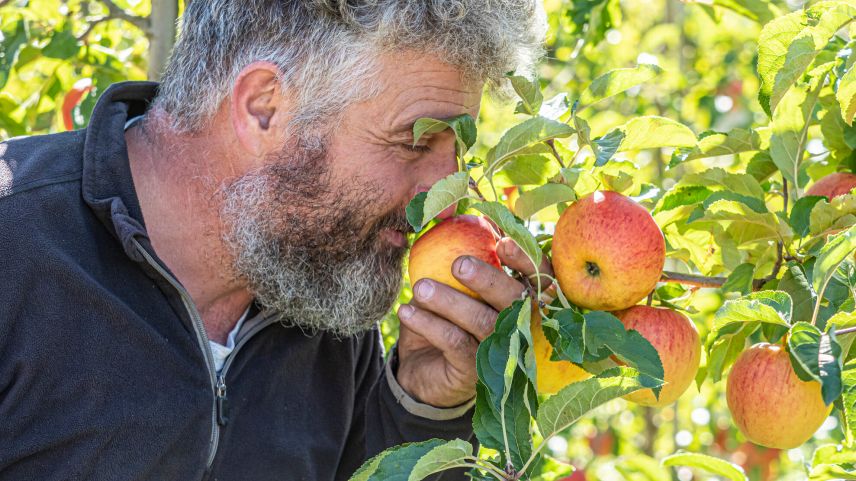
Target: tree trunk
161,35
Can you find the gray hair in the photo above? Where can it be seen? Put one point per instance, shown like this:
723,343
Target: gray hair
327,51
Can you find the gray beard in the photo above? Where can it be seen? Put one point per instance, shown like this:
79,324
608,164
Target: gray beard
300,244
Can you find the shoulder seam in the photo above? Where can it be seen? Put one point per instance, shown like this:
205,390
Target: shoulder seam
36,183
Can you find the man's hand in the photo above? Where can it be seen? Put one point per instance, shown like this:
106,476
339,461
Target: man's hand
442,327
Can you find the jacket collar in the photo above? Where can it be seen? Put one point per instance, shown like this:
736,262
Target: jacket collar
107,185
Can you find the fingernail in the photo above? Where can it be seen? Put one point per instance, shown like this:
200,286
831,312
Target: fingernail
466,267
425,289
405,312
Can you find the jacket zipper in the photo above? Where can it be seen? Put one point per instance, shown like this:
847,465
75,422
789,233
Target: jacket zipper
202,338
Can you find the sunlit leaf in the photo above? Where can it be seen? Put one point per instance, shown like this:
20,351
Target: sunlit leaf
773,307
710,464
572,402
541,197
426,205
652,132
617,81
512,228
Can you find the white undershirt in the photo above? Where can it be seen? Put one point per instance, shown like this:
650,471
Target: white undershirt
221,352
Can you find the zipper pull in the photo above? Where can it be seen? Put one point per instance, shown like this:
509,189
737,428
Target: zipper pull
222,401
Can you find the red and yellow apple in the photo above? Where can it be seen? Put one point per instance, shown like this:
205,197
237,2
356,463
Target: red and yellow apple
432,254
833,185
552,376
771,405
608,252
676,340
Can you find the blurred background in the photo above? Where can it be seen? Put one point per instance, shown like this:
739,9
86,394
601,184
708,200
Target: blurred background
57,56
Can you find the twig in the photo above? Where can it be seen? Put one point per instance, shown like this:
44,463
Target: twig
555,152
757,283
115,13
475,188
692,279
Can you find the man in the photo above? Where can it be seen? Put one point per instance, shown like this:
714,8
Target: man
191,285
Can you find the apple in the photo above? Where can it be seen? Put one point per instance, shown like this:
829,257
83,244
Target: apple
676,340
833,185
552,376
432,254
771,405
608,252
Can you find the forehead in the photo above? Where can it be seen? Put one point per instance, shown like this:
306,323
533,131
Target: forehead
420,85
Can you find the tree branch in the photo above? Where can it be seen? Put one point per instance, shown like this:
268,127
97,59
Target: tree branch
845,331
114,13
692,279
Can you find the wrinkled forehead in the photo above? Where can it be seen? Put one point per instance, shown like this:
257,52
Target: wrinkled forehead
413,86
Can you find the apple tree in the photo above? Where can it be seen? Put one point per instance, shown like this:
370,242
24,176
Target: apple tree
755,214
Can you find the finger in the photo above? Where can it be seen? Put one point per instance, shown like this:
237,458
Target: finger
511,255
458,347
493,285
475,317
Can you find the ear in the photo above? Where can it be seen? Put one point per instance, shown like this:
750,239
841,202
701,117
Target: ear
258,108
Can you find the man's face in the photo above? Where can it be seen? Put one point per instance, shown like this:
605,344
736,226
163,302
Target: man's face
318,233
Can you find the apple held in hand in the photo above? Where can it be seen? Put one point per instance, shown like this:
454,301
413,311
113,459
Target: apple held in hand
769,403
432,254
552,376
676,340
608,252
833,185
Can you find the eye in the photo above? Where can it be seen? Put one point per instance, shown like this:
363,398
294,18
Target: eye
416,148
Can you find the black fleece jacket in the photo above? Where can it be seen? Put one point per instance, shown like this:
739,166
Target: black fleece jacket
105,368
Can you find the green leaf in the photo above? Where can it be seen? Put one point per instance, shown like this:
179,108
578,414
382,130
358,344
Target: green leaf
846,95
530,95
719,179
726,346
13,39
710,464
615,82
564,331
773,307
529,169
505,392
828,463
556,107
463,125
604,334
816,356
801,214
653,132
795,283
512,228
740,280
790,129
523,135
572,402
835,214
427,205
445,456
63,45
848,400
682,195
761,11
823,20
839,321
773,44
604,147
839,247
532,201
745,225
396,463
715,144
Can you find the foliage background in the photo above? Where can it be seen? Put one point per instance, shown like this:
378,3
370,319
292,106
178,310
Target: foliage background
709,56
